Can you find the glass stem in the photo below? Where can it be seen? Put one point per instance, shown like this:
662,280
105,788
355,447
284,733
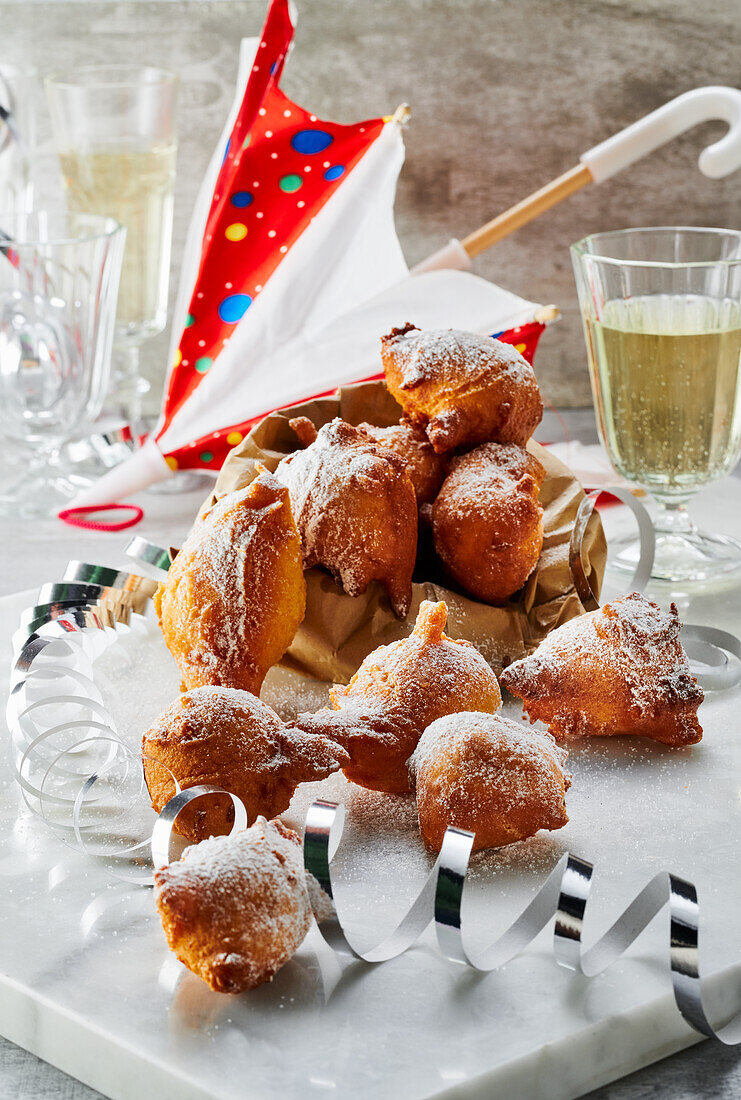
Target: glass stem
672,518
128,387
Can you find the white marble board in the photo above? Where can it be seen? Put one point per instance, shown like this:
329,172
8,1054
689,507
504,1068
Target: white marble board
87,983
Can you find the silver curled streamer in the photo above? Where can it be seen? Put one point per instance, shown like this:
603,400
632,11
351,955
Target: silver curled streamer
563,898
707,647
162,833
61,731
145,552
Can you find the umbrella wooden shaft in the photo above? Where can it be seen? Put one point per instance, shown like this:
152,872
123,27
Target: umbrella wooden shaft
527,210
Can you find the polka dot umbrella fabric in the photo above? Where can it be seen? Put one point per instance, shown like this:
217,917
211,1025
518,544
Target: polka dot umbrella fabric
281,165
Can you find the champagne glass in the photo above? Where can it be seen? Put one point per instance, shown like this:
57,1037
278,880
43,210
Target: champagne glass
662,321
59,276
115,131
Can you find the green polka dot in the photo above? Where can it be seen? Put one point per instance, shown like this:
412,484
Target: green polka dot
246,141
189,320
203,364
206,456
290,183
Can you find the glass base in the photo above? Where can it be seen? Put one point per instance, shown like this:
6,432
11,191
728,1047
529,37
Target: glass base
39,496
682,556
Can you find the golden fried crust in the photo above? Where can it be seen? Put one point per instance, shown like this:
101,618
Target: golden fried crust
304,429
356,511
426,469
617,670
490,776
235,594
235,908
228,738
487,522
463,388
395,694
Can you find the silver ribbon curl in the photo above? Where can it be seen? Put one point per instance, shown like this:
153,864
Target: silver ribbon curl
563,898
60,729
707,647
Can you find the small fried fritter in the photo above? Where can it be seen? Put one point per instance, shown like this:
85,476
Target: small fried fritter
463,388
235,595
356,511
228,738
235,908
487,522
395,694
620,669
490,776
426,469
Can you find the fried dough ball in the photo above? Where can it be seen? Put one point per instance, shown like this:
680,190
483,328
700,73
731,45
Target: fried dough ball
620,669
487,522
426,469
235,595
356,511
235,908
395,694
490,776
228,738
463,388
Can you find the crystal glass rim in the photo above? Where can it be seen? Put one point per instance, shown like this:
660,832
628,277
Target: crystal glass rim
100,226
112,76
580,249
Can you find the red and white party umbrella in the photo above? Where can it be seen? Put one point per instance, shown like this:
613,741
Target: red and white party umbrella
292,268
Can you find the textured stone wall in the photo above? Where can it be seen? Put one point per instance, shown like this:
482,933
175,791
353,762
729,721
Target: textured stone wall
505,95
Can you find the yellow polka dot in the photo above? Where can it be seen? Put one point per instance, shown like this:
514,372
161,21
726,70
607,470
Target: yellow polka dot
237,231
171,462
520,348
178,358
233,438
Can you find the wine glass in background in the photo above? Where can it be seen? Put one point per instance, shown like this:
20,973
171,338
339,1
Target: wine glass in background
59,277
19,118
115,131
662,321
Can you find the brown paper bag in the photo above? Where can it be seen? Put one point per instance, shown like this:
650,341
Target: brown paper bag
339,631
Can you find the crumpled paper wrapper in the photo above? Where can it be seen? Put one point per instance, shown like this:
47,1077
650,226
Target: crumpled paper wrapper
339,631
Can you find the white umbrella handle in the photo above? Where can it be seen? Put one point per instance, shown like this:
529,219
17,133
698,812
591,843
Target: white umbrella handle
609,158
663,125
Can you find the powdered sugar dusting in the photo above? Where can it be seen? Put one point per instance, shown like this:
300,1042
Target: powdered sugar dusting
205,709
442,354
490,749
355,509
489,775
635,640
236,907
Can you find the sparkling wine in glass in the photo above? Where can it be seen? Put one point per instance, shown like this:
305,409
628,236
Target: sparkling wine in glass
662,321
115,132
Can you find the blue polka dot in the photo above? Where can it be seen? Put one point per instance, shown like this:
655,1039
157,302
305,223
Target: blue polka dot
334,172
233,308
226,151
242,198
308,142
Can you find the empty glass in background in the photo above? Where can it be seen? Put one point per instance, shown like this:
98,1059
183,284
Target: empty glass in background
59,276
20,97
662,321
115,131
